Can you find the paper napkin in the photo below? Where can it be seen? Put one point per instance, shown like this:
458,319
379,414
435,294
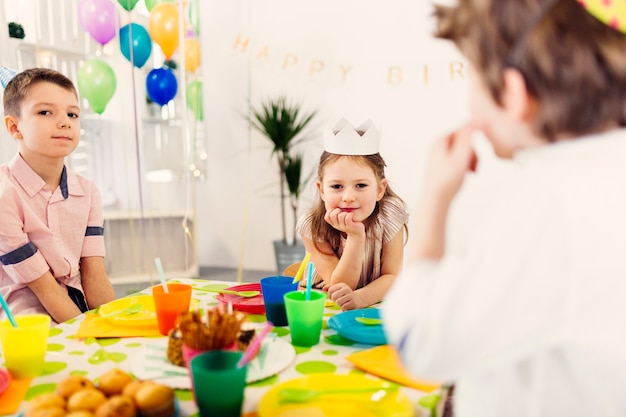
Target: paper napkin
384,361
11,399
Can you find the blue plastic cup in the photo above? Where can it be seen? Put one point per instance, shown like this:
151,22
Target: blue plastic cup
274,290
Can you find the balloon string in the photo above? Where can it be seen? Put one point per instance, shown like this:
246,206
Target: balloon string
246,211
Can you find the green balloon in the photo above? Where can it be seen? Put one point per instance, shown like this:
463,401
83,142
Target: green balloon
128,4
96,82
194,99
151,3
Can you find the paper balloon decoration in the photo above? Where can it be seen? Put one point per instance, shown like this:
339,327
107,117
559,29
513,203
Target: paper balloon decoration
161,85
99,18
135,44
163,27
194,99
192,54
96,82
151,3
128,4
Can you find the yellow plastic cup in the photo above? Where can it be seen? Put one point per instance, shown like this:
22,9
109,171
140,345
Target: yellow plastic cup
24,346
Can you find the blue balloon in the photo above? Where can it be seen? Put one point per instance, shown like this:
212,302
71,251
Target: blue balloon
161,85
135,36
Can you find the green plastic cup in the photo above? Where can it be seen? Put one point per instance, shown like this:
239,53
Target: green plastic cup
218,385
305,317
24,346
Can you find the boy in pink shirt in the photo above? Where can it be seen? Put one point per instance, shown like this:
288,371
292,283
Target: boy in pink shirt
51,225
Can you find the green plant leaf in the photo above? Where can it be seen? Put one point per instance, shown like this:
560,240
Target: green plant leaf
283,123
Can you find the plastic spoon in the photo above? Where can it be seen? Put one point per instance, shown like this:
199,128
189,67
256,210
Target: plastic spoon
306,394
245,294
369,321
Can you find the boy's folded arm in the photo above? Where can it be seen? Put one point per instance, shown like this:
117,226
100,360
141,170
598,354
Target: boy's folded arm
54,298
95,281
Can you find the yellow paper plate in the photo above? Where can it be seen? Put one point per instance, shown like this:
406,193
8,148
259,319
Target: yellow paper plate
393,404
146,317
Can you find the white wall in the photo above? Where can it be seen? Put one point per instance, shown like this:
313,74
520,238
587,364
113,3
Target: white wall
357,59
352,58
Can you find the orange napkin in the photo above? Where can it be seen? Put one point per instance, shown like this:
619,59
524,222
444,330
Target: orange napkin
11,399
384,361
90,327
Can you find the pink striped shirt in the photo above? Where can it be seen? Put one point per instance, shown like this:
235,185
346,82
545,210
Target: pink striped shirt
41,230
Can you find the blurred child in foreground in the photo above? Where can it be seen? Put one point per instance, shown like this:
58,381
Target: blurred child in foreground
530,322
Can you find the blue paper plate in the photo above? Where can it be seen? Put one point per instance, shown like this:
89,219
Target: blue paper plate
347,327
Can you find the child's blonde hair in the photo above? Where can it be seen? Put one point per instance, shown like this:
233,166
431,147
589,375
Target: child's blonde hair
321,231
573,64
17,89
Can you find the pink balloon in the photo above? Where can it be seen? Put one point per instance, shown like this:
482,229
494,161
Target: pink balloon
99,18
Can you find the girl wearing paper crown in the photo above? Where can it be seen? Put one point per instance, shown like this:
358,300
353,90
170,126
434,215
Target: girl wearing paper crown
356,232
531,320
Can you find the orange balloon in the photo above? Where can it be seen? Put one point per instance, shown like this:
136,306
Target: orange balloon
163,27
192,54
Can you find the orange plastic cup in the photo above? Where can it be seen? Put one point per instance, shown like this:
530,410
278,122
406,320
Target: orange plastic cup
170,304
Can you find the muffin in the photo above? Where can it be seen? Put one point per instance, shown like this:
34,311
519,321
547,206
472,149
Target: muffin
71,384
80,413
113,382
46,412
86,399
117,406
46,401
155,400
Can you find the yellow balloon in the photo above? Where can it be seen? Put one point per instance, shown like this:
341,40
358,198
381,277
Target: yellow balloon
163,27
192,54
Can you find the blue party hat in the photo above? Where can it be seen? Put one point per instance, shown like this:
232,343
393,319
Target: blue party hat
6,75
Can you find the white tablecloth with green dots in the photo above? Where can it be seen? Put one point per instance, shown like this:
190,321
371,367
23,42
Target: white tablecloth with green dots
92,357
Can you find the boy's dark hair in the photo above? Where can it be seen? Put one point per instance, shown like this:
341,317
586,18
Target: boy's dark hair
18,87
573,64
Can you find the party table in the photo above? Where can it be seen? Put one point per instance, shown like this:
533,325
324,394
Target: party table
91,356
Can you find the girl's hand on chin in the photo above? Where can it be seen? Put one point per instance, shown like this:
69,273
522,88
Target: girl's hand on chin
344,222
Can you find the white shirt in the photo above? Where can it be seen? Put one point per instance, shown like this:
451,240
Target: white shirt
532,320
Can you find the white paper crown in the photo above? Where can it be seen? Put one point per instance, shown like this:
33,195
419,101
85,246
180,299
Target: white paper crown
344,139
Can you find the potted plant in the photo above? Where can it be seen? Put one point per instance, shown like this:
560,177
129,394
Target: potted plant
284,123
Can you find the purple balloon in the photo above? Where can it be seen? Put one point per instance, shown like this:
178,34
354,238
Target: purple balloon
99,18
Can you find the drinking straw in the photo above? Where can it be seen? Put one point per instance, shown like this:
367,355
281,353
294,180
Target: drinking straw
298,275
254,347
309,282
157,261
5,307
